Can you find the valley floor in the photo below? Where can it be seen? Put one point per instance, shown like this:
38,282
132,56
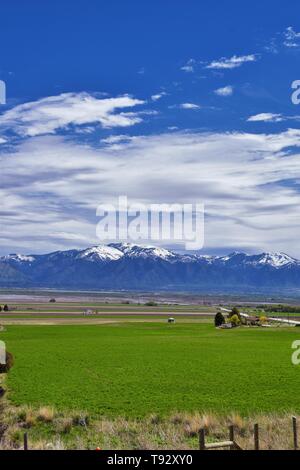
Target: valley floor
134,381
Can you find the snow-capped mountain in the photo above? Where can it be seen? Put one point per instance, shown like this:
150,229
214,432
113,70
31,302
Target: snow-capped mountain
100,253
136,251
18,258
130,266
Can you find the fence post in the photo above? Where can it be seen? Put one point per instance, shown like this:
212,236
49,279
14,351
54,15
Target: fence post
202,439
231,435
295,433
25,441
256,437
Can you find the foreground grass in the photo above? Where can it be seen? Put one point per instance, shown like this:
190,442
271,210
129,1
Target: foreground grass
49,429
133,370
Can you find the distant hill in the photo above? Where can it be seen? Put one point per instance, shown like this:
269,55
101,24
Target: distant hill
133,267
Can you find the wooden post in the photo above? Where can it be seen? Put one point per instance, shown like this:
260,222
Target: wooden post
295,433
25,441
202,439
231,435
256,437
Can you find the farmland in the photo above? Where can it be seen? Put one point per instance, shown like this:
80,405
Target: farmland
125,369
134,369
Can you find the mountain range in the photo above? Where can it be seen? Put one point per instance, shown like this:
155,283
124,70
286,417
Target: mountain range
133,267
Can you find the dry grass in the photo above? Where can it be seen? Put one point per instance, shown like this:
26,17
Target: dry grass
46,414
49,429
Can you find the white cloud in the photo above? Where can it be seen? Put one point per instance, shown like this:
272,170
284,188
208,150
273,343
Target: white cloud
272,117
292,38
225,91
231,63
189,67
266,117
189,106
52,187
47,115
158,96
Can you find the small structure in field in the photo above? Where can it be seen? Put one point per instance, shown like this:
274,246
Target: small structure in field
226,326
89,312
171,320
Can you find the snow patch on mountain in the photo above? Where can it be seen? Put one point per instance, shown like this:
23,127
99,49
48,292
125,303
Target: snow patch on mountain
136,251
102,253
277,260
18,258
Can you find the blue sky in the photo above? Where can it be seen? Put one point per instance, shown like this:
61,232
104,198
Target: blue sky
162,101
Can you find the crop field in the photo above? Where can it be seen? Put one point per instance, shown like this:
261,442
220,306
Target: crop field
134,369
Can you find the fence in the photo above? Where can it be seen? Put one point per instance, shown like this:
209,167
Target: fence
231,444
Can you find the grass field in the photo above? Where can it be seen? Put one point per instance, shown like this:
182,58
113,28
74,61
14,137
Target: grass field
136,369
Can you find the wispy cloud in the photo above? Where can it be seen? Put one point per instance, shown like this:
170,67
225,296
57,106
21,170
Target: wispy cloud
272,117
265,117
232,62
242,178
189,106
158,96
225,91
50,114
291,37
189,67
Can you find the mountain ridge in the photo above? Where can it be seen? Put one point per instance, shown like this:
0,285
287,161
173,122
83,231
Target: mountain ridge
131,266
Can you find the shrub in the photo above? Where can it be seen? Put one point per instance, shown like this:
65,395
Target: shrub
219,319
46,414
235,320
151,304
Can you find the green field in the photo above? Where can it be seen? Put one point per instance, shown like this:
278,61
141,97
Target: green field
134,369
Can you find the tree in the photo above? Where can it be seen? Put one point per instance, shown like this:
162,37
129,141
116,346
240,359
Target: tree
234,320
235,311
219,319
5,308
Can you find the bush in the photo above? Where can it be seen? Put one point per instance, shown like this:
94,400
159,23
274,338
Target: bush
235,320
219,319
151,304
4,368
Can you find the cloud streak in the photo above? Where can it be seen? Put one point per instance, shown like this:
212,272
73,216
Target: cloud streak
48,115
272,117
232,62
